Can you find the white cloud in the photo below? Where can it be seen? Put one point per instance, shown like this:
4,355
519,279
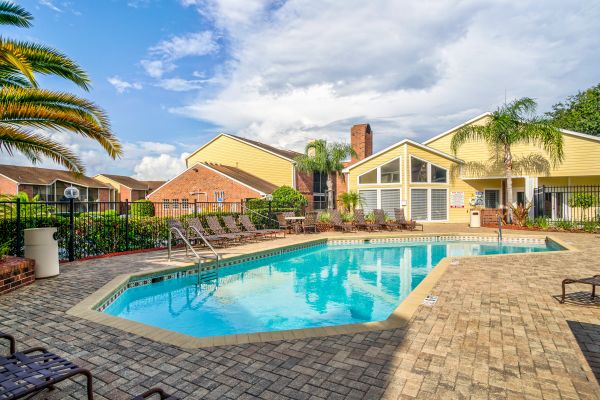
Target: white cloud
50,5
156,68
191,44
163,166
181,85
304,68
122,86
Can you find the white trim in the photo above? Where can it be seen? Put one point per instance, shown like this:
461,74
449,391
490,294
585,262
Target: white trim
400,143
212,169
9,178
581,135
378,194
429,164
294,184
241,140
436,137
69,182
428,190
378,168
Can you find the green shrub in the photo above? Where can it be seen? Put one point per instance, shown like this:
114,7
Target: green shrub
564,225
142,208
541,222
325,217
590,226
347,217
286,196
370,217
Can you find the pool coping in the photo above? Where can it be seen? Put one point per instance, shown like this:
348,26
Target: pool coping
399,318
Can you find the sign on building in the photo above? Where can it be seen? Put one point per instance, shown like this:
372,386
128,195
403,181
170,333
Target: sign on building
457,200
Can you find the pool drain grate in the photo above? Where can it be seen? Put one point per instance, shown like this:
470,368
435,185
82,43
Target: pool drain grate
430,300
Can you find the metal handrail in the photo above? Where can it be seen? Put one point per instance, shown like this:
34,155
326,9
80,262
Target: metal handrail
189,246
207,243
257,213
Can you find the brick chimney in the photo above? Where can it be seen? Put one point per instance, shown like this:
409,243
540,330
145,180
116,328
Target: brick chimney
361,139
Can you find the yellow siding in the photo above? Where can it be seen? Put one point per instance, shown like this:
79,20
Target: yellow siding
109,181
227,151
581,154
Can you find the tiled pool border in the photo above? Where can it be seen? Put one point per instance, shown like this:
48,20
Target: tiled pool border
93,306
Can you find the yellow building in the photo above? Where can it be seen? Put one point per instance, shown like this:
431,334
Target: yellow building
432,184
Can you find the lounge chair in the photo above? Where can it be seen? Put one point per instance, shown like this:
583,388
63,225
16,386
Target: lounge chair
401,219
215,226
338,223
233,228
196,225
180,233
360,222
594,281
380,220
250,227
310,222
284,223
33,370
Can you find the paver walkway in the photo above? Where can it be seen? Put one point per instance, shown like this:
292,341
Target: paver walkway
496,332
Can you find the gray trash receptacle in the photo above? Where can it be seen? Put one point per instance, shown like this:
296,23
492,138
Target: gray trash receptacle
41,246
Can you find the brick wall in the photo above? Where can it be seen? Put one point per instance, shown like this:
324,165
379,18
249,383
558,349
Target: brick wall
201,179
304,184
7,186
16,272
361,139
103,194
27,189
124,193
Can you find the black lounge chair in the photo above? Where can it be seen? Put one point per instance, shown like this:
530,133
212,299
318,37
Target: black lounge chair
401,219
360,222
33,370
233,228
196,225
250,227
338,224
380,220
593,280
215,226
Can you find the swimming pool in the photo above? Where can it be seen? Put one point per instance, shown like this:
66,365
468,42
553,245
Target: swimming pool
323,285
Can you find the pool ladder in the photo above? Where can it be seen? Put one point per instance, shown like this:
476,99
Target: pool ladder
204,275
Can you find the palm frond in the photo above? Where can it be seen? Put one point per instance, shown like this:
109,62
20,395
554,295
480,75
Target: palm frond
49,61
10,79
12,58
470,133
14,14
544,134
531,164
33,146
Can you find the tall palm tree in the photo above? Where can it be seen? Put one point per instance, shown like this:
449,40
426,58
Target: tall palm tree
26,111
512,124
326,158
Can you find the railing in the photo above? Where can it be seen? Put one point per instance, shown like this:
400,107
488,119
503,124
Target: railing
576,204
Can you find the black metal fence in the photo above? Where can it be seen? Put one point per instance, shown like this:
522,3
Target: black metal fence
86,229
576,204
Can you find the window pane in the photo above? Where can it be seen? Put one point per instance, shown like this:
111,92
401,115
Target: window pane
418,204
390,172
438,175
368,200
439,204
492,198
368,177
418,170
390,199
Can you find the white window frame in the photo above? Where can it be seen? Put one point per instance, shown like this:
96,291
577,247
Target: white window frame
175,204
378,190
429,204
166,204
378,168
185,204
429,164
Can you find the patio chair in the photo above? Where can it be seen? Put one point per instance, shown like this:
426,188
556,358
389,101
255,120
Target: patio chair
250,227
310,222
360,222
33,370
284,223
215,226
180,233
158,391
594,281
233,228
401,219
338,223
196,225
380,220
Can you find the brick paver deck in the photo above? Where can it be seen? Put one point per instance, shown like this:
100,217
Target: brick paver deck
496,332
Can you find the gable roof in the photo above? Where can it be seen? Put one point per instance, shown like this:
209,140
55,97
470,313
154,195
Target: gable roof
400,143
285,154
477,118
126,181
47,176
152,185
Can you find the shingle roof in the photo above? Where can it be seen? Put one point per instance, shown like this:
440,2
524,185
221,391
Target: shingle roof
45,176
153,184
282,152
242,176
128,181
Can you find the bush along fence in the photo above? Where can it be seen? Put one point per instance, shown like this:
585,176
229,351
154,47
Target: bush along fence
568,207
88,229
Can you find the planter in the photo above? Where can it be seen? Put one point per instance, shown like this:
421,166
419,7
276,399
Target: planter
324,227
16,272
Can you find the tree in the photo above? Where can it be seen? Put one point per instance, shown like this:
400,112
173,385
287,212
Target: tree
512,124
580,113
326,158
350,200
26,111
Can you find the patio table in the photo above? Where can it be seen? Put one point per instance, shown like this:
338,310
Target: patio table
296,222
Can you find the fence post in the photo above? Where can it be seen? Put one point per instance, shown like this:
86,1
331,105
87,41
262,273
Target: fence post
18,233
126,224
195,208
71,229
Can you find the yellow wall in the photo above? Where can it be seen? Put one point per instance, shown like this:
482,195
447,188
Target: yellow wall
109,181
228,151
581,154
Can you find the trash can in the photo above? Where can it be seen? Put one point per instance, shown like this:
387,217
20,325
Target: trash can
475,219
41,246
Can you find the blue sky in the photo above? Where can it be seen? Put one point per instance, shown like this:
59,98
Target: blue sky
174,73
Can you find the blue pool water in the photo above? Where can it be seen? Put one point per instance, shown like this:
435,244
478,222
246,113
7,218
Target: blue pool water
319,286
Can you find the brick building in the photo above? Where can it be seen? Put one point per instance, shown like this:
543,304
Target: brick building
128,188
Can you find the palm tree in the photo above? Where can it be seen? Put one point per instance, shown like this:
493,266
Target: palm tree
513,124
326,158
350,200
26,110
